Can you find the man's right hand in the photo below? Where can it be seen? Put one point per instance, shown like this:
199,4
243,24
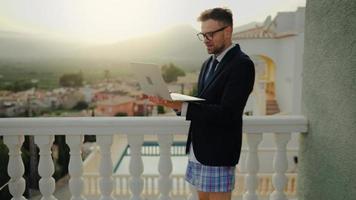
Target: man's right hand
176,105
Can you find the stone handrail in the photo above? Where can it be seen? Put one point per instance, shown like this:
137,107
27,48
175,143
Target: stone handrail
44,130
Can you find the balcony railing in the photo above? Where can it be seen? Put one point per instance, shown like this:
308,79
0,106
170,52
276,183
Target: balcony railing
135,128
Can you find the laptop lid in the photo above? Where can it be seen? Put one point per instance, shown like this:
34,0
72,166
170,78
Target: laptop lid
151,82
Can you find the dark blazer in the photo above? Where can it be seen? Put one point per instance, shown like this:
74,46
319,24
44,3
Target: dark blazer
216,123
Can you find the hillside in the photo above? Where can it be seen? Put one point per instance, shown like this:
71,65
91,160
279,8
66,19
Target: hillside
178,45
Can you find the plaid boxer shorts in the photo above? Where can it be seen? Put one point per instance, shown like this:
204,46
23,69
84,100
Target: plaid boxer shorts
210,178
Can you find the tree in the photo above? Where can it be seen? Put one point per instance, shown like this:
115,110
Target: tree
4,178
63,157
160,109
81,105
171,72
107,74
121,114
194,91
71,80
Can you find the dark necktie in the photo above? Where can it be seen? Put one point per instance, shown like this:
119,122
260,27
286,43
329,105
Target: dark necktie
211,71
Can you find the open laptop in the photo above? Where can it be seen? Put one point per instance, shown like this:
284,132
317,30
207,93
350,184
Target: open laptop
152,83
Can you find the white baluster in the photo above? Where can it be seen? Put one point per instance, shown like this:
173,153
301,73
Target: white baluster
252,166
193,193
155,111
46,167
165,166
75,167
106,181
15,167
136,166
280,165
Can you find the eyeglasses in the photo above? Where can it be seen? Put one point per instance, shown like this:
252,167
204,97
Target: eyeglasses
209,35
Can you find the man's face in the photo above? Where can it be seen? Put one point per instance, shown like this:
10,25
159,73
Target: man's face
215,41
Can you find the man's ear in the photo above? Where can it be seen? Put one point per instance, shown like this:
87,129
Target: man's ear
229,29
228,32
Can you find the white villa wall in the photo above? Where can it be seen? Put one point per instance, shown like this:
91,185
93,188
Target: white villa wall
251,47
287,53
290,21
284,73
282,52
266,47
299,20
297,74
285,22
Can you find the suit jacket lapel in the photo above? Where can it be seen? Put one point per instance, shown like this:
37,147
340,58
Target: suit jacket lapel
229,55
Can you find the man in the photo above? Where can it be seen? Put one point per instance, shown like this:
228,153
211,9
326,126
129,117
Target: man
226,79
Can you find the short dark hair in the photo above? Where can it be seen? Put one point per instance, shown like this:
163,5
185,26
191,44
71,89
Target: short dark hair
223,15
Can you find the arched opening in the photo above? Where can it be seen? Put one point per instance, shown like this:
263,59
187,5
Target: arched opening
265,82
269,77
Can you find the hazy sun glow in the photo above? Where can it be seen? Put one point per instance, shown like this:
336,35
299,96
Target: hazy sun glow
110,20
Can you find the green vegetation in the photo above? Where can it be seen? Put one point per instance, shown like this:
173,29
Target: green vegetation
121,114
160,109
81,105
4,178
63,157
71,80
20,76
194,91
171,72
45,74
17,86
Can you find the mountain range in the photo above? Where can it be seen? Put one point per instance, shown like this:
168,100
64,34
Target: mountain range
178,45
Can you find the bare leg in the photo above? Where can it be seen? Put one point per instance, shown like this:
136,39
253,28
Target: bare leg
203,195
219,195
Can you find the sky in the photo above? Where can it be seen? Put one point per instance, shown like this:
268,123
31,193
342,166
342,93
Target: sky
107,21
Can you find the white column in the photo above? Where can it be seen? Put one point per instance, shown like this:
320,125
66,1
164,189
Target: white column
155,111
252,166
75,167
280,165
15,167
46,167
193,193
165,166
136,166
262,91
106,181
